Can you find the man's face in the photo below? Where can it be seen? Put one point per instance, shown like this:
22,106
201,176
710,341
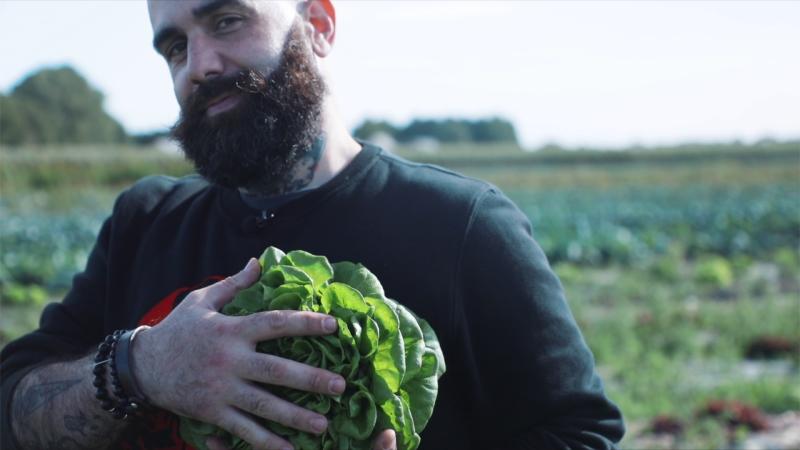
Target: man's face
249,110
203,39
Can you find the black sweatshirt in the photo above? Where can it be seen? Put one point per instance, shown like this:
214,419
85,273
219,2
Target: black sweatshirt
453,249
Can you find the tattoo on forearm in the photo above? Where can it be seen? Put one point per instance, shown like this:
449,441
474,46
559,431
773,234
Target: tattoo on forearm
39,395
76,423
63,443
52,409
83,425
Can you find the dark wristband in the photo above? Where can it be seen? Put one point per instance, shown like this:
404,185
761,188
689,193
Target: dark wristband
122,406
123,363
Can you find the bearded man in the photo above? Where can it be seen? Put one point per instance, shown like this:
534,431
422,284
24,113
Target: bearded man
277,167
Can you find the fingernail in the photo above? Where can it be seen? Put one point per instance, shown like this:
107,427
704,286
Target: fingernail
249,264
329,324
319,425
336,386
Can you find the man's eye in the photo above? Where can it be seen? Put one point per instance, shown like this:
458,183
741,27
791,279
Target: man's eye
228,22
175,50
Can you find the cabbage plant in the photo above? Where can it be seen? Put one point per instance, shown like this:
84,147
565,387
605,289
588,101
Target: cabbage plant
390,358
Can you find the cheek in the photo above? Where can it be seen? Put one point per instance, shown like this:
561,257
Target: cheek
181,99
182,89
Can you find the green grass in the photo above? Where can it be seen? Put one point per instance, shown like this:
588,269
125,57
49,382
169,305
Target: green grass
53,169
49,168
667,348
18,319
467,157
603,177
667,345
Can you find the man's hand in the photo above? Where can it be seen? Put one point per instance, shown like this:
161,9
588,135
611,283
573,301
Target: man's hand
202,364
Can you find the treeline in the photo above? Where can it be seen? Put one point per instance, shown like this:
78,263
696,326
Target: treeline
56,106
493,130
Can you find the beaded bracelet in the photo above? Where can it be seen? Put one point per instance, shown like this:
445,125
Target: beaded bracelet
105,355
127,406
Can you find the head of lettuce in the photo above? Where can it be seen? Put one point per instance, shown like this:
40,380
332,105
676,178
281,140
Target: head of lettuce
389,357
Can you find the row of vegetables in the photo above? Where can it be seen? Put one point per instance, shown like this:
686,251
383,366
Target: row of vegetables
621,226
634,224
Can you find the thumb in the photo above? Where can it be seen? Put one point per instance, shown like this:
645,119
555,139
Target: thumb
215,443
385,440
220,293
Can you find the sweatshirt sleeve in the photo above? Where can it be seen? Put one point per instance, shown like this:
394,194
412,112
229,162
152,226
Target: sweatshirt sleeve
539,387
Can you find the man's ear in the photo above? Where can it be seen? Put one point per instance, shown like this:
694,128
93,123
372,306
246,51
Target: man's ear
322,18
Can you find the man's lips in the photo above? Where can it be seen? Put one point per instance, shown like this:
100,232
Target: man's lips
221,104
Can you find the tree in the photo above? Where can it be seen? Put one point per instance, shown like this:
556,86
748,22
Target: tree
56,105
12,121
493,130
484,131
370,128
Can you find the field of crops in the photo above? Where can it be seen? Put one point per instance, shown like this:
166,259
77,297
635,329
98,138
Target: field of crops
681,267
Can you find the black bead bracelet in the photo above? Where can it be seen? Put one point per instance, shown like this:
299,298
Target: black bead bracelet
115,352
104,354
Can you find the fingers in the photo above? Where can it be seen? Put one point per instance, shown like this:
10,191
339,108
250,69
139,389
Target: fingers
385,440
252,399
220,293
238,424
274,370
268,325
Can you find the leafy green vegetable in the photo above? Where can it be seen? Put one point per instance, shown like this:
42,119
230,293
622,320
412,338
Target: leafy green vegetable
390,358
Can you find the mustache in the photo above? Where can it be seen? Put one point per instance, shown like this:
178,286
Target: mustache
248,81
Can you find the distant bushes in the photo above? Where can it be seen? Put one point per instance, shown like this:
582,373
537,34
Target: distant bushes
56,106
447,131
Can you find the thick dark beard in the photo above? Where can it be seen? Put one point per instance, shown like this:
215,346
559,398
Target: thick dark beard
257,144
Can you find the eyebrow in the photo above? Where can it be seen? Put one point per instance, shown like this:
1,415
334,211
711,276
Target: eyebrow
212,6
200,12
164,35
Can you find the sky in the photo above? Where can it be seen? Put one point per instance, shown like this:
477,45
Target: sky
575,73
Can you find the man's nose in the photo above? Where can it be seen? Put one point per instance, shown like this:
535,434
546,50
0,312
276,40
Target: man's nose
204,61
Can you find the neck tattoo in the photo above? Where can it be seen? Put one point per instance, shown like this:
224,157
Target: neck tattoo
304,170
